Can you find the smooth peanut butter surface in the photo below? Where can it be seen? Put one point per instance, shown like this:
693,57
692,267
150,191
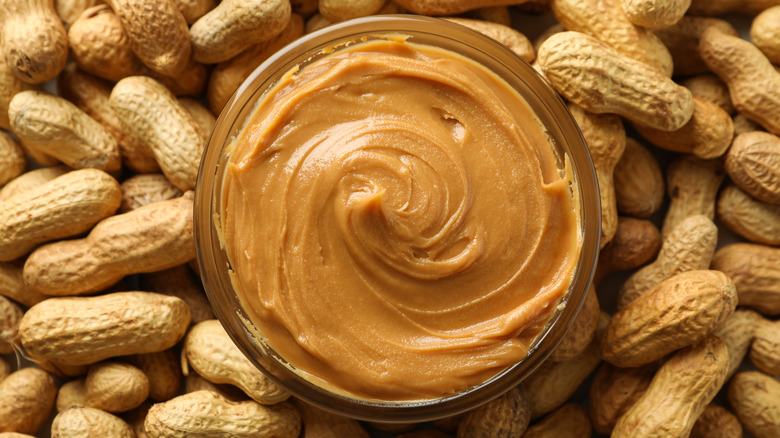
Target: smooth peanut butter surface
397,222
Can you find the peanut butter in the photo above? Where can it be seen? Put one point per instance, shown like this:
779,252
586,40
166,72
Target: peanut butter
398,224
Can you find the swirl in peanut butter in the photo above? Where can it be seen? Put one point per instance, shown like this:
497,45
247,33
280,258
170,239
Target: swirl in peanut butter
397,221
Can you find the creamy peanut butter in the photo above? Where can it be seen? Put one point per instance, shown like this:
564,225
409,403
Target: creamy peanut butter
398,223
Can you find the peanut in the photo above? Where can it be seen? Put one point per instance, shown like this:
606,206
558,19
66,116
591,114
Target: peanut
514,40
202,116
765,349
710,88
66,206
707,134
10,315
716,422
208,415
31,179
581,333
765,34
755,398
320,423
86,330
674,314
570,420
606,21
12,159
340,10
192,10
718,7
450,7
614,390
692,184
140,190
211,353
9,86
163,371
738,332
742,124
115,386
682,39
148,110
179,282
135,419
655,14
5,368
639,182
33,39
754,84
494,14
69,10
581,67
305,8
753,164
754,271
83,421
235,25
193,382
26,400
755,220
678,393
506,416
72,393
688,247
151,238
635,243
60,129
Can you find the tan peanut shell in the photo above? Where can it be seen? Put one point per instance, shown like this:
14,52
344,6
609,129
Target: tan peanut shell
505,35
682,39
69,10
580,67
148,110
639,181
507,415
718,7
26,400
710,88
115,386
81,421
674,314
60,129
71,393
742,124
193,382
163,371
10,315
65,206
180,282
581,333
203,117
688,247
91,94
707,134
655,14
235,25
765,349
305,8
635,243
227,76
678,393
85,330
716,422
757,221
140,190
194,9
152,238
15,435
318,422
31,179
9,86
157,31
765,33
606,21
753,164
570,420
450,7
341,10
12,159
205,414
33,39
5,368
211,353
692,184
738,332
753,82
755,398
614,390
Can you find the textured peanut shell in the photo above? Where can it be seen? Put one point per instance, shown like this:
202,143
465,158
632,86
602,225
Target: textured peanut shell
202,116
10,315
513,39
710,88
753,164
737,332
71,393
639,181
83,422
179,282
33,39
235,25
716,422
85,330
688,247
149,110
682,39
606,21
678,393
31,179
692,184
66,206
194,9
581,333
26,400
227,76
193,382
755,398
140,190
211,353
602,80
12,159
707,134
755,270
765,349
9,86
321,423
635,243
742,124
163,371
753,82
757,221
718,7
206,414
152,238
570,420
115,386
450,7
341,10
674,314
765,33
5,368
613,391
69,10
506,416
655,14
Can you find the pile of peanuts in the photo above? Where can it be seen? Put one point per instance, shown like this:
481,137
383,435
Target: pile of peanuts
681,116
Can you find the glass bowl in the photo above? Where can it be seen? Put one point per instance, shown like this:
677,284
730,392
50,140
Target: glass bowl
215,266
